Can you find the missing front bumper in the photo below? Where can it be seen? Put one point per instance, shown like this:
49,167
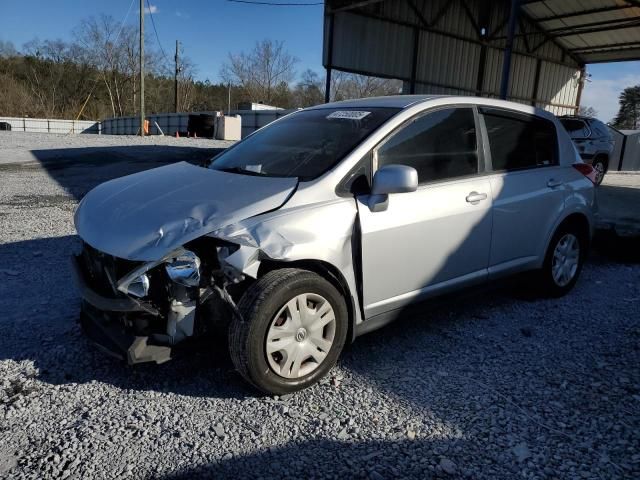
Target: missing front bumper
99,320
114,340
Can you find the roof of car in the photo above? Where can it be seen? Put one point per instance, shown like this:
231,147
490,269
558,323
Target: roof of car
576,117
405,101
393,101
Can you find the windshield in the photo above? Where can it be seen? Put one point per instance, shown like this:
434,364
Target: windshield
305,144
575,128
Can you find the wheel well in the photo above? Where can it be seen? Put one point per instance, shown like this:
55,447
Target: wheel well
581,223
326,271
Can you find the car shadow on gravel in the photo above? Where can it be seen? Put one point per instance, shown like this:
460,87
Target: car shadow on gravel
325,458
41,306
78,170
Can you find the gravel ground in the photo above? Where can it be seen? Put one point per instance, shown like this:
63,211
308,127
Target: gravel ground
495,386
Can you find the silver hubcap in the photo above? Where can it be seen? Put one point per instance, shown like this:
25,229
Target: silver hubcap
565,260
300,335
599,168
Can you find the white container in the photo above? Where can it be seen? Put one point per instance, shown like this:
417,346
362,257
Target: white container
229,127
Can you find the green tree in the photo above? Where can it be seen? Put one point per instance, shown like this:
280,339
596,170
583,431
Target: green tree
628,117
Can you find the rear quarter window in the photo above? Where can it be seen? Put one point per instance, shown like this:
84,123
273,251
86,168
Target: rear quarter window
576,128
519,141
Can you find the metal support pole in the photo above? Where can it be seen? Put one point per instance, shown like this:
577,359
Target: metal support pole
536,82
506,63
327,88
142,68
482,60
622,152
414,60
175,81
581,80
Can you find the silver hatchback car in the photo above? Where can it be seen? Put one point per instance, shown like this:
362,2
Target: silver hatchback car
325,225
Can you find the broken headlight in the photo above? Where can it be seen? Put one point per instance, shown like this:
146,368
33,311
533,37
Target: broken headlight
184,269
139,286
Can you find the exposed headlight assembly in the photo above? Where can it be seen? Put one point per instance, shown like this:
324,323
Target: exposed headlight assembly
139,286
184,269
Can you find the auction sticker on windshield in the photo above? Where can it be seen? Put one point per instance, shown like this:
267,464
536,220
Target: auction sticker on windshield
349,114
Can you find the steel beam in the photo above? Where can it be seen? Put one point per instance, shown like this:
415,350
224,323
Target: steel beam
593,11
327,88
414,60
610,46
506,62
354,5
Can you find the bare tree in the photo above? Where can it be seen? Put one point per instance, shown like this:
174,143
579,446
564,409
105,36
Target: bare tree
50,64
15,98
7,49
262,72
587,111
113,49
187,72
351,85
309,91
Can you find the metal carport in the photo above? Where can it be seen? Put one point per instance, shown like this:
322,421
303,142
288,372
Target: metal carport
528,51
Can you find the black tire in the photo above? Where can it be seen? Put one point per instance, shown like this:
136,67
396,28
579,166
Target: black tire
600,164
548,284
258,306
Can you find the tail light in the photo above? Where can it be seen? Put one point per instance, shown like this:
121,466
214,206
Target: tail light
587,170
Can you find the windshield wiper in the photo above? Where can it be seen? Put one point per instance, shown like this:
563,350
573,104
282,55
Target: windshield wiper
241,171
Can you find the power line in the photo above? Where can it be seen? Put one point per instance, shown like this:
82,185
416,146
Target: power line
277,4
153,23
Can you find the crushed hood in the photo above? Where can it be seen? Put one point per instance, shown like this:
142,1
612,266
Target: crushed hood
146,215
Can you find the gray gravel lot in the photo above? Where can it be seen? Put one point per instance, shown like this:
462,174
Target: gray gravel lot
491,386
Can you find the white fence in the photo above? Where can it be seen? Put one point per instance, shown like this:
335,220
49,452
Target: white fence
46,125
170,123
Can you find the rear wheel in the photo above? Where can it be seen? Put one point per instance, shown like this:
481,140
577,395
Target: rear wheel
292,330
564,259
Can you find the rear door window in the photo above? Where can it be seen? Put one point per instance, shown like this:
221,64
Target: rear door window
440,145
575,128
519,141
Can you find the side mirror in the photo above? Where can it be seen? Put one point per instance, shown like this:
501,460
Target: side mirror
391,179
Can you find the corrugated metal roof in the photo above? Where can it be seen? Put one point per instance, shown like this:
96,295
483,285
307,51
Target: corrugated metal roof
593,31
458,47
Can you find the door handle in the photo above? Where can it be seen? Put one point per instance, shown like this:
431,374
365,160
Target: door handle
475,197
554,183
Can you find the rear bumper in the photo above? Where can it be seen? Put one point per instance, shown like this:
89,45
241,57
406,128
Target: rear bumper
100,317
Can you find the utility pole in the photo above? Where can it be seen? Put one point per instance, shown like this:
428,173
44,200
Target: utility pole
229,100
175,79
142,68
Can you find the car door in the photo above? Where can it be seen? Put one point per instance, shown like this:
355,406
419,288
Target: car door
527,187
435,238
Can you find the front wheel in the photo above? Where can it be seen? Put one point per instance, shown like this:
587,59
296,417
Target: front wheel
563,262
292,330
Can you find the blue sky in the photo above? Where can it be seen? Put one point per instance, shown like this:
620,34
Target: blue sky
210,29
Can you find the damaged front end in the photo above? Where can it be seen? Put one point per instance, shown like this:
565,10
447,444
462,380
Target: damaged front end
142,311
